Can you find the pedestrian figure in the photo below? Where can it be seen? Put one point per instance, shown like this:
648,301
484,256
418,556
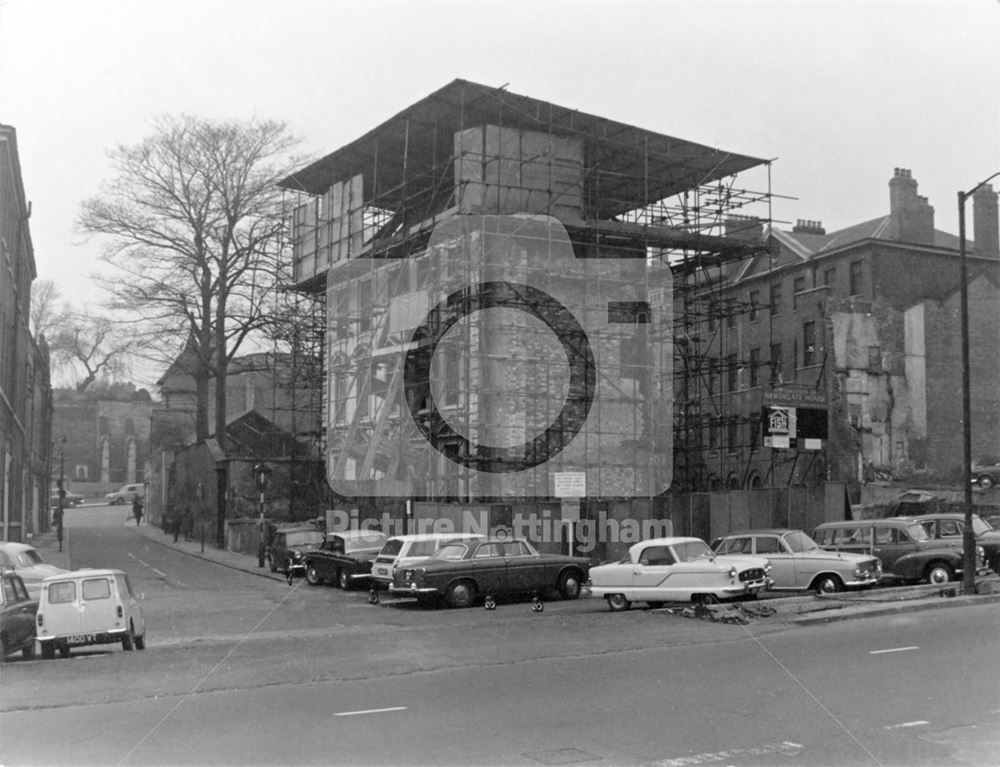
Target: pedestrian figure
175,524
188,524
137,510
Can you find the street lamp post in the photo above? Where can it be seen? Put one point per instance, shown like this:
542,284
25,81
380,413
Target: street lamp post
968,536
62,491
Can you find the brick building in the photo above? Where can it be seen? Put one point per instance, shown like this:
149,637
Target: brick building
25,392
864,323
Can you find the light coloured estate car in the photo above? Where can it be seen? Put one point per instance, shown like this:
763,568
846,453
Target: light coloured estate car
401,550
677,570
799,564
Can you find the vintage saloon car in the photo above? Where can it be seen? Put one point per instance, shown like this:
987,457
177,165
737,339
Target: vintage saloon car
344,558
799,564
17,617
288,547
950,526
907,551
677,570
463,571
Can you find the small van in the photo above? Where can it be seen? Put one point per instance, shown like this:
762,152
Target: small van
88,607
402,550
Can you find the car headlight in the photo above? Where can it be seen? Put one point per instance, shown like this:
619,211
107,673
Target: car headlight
296,555
733,571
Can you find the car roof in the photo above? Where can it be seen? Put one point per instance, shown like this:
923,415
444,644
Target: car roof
762,531
666,541
297,529
436,536
357,533
82,572
14,546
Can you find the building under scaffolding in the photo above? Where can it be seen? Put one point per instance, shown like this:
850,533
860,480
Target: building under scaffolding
586,372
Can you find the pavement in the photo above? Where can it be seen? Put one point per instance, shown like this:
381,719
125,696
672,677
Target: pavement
800,610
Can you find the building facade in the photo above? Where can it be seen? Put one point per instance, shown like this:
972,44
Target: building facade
25,393
864,324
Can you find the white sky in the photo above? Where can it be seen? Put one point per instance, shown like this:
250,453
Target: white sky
839,92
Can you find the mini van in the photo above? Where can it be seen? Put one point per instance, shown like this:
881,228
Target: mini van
403,550
88,607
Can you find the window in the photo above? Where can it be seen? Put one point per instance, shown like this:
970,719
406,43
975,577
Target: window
713,434
776,371
96,588
489,550
732,434
808,344
776,299
885,535
713,374
798,286
732,373
62,592
365,305
829,275
754,304
856,276
730,314
755,367
768,545
875,359
655,556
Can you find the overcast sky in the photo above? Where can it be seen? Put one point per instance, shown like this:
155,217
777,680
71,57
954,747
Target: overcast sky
838,93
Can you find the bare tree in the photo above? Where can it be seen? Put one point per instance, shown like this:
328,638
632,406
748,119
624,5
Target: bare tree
192,223
96,345
47,314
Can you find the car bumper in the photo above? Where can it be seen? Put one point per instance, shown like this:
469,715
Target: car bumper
411,589
81,640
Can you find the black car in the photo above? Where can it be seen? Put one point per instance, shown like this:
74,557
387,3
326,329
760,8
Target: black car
344,558
461,572
288,547
951,526
17,617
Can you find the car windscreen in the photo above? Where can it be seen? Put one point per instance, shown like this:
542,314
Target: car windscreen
798,542
391,548
364,543
980,526
304,538
689,551
29,557
917,532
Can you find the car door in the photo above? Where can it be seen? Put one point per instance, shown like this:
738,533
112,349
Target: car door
489,568
524,572
18,611
97,604
658,576
783,564
61,615
888,545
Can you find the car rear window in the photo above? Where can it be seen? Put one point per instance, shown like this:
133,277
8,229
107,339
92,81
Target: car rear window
96,588
304,537
422,548
364,543
391,548
62,592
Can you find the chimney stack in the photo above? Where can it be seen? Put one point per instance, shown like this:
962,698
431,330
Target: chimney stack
806,226
747,228
985,229
912,217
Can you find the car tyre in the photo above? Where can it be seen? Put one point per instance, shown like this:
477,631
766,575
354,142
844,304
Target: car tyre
461,594
344,579
140,642
48,650
28,651
617,603
938,574
312,576
128,639
828,584
64,650
569,584
985,481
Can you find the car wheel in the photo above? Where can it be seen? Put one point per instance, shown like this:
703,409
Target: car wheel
312,577
617,603
48,650
828,584
128,639
343,579
64,650
939,574
140,642
985,481
461,594
28,651
569,584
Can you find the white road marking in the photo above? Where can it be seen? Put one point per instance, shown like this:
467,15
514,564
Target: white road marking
894,649
370,711
159,572
916,723
137,559
785,748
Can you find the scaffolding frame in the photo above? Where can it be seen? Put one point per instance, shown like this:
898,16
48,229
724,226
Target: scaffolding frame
619,191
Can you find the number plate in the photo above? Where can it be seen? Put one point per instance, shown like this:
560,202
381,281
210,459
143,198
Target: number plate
81,639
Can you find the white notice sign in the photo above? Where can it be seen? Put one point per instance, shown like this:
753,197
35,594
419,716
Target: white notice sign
570,484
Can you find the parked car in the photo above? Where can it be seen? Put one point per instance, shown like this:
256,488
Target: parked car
986,475
461,572
27,563
17,617
88,607
126,494
951,527
69,500
677,569
289,546
344,558
799,564
903,545
403,550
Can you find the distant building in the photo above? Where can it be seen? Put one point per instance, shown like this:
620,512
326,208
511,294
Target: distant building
862,323
25,393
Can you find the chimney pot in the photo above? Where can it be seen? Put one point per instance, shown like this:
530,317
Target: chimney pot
985,228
